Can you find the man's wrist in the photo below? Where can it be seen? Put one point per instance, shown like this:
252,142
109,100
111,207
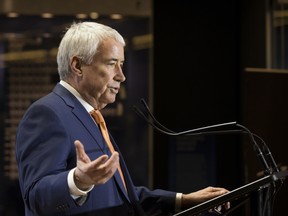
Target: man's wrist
74,190
178,202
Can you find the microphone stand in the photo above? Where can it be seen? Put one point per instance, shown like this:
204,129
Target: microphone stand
204,131
209,130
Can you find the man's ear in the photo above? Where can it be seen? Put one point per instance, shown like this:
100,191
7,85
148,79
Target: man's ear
76,63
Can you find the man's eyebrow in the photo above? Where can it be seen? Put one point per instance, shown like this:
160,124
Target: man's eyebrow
116,59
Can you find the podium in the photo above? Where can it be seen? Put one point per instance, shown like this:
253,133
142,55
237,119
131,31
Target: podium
242,193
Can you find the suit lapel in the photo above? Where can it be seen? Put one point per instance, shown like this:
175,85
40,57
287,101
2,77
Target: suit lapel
84,117
128,182
80,112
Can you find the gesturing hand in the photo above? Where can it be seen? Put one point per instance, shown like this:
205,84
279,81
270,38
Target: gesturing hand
98,171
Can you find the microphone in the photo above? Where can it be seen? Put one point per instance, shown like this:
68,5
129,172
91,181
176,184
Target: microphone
257,149
161,128
211,130
268,154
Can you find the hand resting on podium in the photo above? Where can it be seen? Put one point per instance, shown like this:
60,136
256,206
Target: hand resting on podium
200,196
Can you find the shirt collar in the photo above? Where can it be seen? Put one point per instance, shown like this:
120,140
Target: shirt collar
73,91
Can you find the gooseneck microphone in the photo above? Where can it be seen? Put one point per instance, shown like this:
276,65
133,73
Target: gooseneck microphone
197,131
268,154
223,128
257,149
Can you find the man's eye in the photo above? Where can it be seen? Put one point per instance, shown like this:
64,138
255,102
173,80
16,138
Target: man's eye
111,64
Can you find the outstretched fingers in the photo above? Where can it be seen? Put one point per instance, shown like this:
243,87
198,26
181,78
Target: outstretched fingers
104,167
80,152
97,171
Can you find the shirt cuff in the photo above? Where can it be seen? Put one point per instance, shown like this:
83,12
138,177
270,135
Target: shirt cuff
178,202
74,191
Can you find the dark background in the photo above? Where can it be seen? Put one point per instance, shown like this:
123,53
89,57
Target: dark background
201,52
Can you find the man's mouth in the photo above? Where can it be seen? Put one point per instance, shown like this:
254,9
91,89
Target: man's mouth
114,90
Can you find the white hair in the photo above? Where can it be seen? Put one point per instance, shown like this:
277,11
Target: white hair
82,40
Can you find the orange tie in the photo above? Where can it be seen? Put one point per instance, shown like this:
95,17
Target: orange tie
97,116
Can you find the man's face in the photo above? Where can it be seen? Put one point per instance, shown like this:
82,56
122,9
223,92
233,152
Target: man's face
101,80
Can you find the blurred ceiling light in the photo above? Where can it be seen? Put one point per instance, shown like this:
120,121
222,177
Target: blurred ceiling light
46,35
81,16
47,15
12,15
116,16
94,15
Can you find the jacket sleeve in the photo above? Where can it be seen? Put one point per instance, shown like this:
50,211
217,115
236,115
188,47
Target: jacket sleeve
42,154
156,202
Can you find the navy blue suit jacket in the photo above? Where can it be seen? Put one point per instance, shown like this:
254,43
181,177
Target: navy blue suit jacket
45,153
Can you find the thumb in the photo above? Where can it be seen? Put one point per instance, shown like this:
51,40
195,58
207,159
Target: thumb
80,152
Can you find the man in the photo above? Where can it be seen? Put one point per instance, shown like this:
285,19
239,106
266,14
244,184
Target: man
66,163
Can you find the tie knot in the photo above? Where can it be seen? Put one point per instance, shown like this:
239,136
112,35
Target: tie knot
96,114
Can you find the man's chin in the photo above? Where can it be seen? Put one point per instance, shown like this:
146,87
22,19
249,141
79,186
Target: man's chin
111,99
